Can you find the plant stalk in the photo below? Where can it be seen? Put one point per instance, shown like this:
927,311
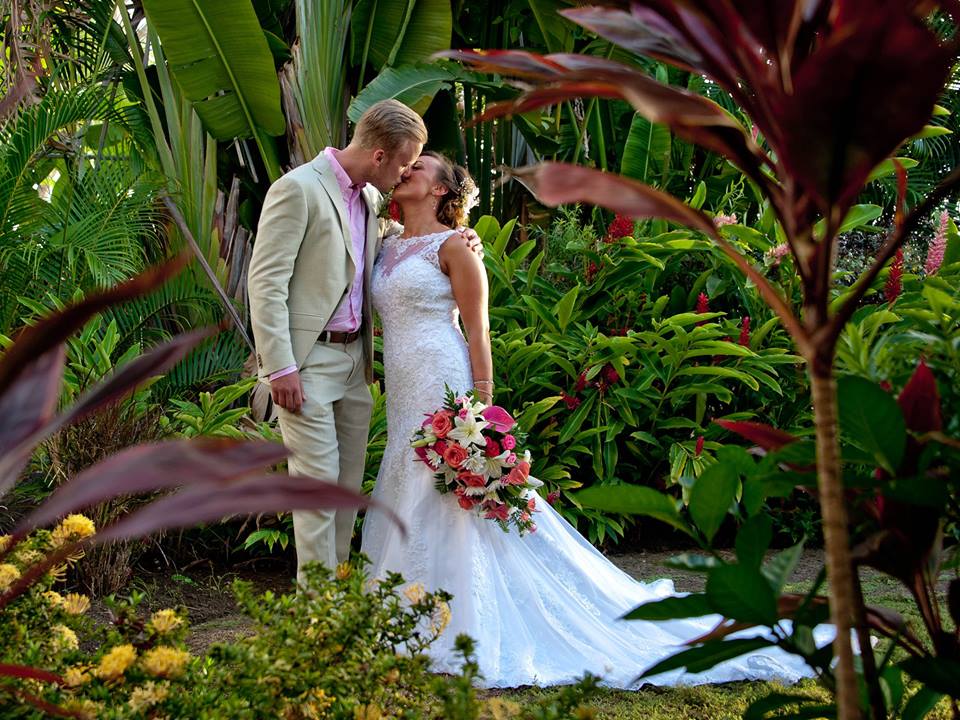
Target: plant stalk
836,541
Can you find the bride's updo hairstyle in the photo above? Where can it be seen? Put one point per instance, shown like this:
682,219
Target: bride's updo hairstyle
455,205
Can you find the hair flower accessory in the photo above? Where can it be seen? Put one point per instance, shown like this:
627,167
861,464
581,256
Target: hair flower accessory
469,194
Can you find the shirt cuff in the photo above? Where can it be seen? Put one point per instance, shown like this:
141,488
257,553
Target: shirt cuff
281,373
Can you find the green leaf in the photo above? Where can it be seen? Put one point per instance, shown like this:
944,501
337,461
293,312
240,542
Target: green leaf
564,308
753,539
871,419
633,500
413,85
646,153
857,216
920,705
937,673
672,608
742,593
707,655
400,32
782,565
220,58
717,371
711,497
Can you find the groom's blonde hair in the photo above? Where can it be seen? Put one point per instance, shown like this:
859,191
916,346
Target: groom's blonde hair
388,124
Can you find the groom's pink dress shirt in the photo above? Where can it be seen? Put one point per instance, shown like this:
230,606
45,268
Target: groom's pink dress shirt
348,316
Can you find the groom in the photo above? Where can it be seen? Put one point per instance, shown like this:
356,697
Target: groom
310,310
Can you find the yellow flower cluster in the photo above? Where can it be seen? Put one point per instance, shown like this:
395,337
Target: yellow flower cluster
76,676
165,661
83,708
148,695
53,598
4,542
367,712
415,593
72,527
9,574
75,604
440,618
115,663
344,571
164,621
63,638
315,707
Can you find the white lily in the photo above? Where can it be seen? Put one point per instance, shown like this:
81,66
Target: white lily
469,430
476,463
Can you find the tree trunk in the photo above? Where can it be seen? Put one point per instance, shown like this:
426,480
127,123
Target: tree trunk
835,534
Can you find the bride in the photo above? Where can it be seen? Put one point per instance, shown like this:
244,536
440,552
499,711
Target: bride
543,608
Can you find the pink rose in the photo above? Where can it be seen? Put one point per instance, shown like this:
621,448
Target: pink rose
493,447
509,442
441,423
499,418
511,459
463,414
454,455
532,504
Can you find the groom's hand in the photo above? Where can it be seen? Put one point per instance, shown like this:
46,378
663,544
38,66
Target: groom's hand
287,392
473,241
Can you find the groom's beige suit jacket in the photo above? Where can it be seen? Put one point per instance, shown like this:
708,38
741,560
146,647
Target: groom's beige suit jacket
304,265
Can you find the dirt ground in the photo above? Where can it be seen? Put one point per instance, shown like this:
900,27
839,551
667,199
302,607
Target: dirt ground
206,596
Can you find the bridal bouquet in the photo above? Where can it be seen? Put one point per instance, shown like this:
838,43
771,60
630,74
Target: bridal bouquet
474,454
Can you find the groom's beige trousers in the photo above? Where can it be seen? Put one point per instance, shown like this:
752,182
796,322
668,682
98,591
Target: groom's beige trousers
328,441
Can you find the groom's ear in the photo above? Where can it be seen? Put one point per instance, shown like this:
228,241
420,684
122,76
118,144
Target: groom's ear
379,155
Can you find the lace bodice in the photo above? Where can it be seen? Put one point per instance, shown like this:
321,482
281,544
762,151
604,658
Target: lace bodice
423,346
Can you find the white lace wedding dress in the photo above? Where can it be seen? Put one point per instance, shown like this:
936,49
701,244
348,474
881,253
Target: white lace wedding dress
542,608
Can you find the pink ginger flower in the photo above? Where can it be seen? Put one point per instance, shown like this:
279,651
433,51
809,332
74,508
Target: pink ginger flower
778,253
721,220
745,331
699,448
937,246
894,285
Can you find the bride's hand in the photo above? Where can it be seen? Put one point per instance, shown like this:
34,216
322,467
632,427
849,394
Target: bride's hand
473,240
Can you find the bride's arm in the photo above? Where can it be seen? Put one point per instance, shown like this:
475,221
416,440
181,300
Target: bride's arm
468,278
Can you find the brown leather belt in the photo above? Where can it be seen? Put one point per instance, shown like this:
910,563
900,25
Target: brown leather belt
336,336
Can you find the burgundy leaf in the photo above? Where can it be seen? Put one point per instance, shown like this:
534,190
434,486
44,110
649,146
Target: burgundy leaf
260,494
155,361
765,436
512,62
26,407
47,333
559,183
920,401
31,673
691,116
206,462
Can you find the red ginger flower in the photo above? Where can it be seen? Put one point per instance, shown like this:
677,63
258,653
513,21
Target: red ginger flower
622,226
703,303
894,285
591,271
699,446
745,331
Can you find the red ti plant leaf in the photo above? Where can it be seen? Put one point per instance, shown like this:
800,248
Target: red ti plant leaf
765,436
920,401
262,493
29,673
34,341
691,116
558,183
25,408
31,391
158,466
